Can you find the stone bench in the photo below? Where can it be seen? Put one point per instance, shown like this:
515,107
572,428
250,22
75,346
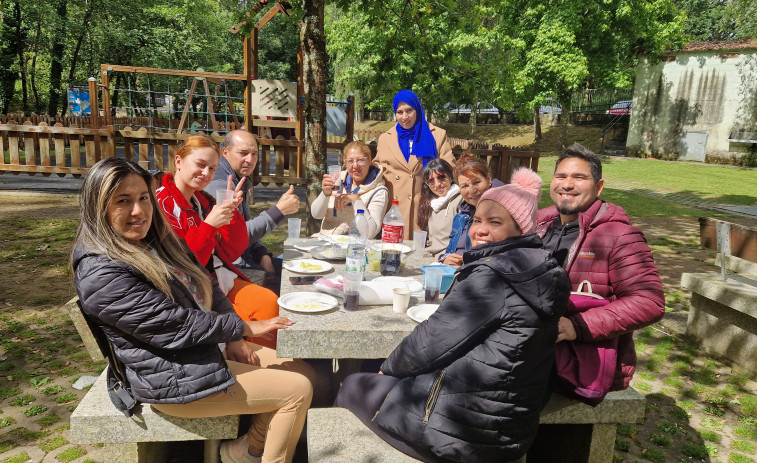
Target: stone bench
335,435
723,313
97,421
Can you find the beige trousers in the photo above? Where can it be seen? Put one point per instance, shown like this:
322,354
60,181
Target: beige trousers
278,393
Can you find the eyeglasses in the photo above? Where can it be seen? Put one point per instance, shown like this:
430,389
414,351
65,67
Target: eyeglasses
359,161
441,178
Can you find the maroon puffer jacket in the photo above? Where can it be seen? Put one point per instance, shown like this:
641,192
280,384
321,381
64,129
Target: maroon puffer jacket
613,255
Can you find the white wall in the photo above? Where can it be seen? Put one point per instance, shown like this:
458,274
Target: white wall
712,92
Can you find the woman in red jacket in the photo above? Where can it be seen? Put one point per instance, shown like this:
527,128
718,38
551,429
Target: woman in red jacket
216,233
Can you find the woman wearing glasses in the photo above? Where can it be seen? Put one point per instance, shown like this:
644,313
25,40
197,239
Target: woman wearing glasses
360,186
405,149
438,204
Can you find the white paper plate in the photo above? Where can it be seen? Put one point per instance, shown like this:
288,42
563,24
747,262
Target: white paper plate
400,282
307,245
307,302
420,313
307,266
329,252
396,246
340,239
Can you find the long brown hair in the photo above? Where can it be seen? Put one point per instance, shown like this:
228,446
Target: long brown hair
440,166
96,234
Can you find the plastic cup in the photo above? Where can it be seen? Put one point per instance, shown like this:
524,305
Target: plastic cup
293,229
419,243
400,299
224,196
352,290
433,283
335,171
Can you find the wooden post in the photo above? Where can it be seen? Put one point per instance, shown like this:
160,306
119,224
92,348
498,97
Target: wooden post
186,106
300,113
94,105
350,125
248,83
106,97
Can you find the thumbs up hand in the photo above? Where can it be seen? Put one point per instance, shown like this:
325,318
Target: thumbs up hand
289,203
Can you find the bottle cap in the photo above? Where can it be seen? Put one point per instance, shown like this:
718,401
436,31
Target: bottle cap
360,211
395,201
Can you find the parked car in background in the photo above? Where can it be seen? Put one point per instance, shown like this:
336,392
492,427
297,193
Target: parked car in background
550,107
621,108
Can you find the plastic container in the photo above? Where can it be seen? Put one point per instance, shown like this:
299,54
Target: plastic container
392,232
447,277
355,261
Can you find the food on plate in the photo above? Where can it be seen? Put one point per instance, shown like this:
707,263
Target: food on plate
310,267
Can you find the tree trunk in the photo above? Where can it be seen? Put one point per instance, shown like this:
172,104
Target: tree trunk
473,115
56,57
360,105
537,123
21,62
314,77
75,56
33,69
8,54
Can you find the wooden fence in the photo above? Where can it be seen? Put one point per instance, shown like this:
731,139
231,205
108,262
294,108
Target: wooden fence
55,149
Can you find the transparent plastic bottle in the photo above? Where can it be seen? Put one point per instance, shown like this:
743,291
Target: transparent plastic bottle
392,236
355,261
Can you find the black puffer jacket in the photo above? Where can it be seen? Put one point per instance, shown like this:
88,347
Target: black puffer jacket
169,349
476,372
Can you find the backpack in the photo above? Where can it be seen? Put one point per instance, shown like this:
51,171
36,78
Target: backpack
585,370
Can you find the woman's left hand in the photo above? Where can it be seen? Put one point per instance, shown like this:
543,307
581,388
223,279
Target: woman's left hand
344,200
239,351
259,328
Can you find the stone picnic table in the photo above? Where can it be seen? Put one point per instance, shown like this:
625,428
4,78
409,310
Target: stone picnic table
368,333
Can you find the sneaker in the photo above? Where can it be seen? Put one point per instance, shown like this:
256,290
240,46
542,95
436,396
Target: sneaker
235,451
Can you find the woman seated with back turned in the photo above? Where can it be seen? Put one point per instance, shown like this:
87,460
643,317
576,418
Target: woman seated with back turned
473,177
438,204
216,233
165,319
360,186
467,385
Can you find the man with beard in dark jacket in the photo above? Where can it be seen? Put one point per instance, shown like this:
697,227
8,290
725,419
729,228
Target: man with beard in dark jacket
240,159
467,384
595,241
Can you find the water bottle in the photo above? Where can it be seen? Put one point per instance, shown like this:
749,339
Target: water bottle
392,235
355,261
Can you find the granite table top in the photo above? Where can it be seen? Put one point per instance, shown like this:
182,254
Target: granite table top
367,333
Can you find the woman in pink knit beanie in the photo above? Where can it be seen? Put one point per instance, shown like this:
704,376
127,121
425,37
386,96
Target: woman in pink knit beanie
468,383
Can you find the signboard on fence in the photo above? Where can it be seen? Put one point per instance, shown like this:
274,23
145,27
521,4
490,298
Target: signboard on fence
277,98
336,119
78,101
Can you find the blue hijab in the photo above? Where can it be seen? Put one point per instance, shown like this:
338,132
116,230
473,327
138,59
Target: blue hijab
424,145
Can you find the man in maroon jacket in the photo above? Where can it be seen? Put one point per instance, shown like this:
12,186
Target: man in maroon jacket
595,241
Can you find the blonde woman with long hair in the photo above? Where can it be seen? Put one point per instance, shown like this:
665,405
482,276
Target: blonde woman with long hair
165,319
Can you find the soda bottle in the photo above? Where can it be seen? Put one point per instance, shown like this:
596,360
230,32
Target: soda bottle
355,261
392,235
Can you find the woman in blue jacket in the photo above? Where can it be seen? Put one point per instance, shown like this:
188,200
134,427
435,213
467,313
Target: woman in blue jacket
467,385
168,322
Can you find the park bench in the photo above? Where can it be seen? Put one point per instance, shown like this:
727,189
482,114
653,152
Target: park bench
97,421
335,435
723,312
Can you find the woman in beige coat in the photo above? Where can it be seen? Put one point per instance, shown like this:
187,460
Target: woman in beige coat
405,149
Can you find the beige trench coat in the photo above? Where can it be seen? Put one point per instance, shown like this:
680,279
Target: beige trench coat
405,179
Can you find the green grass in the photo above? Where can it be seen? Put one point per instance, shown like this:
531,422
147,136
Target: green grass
743,446
70,454
654,455
22,457
660,440
708,435
745,431
35,410
738,458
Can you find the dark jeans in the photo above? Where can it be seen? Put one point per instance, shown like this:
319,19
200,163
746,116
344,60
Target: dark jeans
363,394
272,280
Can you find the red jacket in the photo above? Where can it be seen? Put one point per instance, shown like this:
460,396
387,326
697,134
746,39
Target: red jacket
614,256
229,241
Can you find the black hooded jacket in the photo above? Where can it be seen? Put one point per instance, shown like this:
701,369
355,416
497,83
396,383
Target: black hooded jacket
476,372
169,348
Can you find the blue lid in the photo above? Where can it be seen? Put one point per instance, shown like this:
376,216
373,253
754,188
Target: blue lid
360,211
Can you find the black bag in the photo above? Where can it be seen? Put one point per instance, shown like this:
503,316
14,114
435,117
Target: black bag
118,388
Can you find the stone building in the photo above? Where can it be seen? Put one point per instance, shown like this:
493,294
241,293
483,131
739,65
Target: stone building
698,103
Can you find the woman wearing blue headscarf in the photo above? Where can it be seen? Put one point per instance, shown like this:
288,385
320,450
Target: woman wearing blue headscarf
405,149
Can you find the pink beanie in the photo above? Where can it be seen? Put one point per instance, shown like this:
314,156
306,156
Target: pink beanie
520,197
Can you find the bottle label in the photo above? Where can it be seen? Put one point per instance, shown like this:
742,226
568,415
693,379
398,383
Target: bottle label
354,264
392,233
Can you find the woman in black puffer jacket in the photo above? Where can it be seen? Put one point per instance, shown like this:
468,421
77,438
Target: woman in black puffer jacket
165,318
467,385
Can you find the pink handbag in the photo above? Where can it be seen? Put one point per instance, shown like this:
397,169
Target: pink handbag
585,370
